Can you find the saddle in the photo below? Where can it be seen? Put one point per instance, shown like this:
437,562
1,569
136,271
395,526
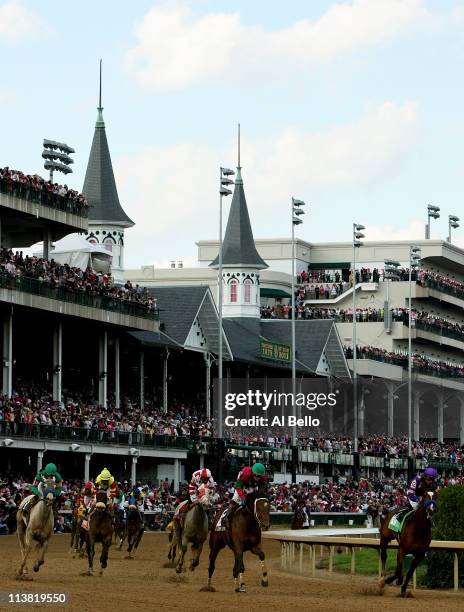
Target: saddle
399,519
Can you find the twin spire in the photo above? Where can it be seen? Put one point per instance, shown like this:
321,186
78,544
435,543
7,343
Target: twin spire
238,247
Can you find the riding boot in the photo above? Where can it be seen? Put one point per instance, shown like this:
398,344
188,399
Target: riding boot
228,514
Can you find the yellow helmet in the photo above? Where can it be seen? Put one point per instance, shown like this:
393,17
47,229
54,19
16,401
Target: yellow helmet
105,474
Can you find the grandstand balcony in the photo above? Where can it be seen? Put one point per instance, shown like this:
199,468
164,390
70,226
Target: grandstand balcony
440,292
33,293
430,332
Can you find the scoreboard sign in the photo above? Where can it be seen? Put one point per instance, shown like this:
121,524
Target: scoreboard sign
274,351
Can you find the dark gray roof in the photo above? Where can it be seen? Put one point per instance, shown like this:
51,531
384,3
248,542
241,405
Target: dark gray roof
153,339
178,308
99,184
238,248
312,337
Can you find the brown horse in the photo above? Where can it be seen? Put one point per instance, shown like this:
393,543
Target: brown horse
100,530
134,530
37,530
299,518
414,539
244,534
78,533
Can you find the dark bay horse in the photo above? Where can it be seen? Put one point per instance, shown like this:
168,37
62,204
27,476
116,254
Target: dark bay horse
100,530
119,526
414,539
244,534
78,533
134,530
299,518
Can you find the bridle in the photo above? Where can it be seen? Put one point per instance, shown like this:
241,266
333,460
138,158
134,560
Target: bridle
255,509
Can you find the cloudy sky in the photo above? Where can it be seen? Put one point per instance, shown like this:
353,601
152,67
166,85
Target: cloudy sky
355,106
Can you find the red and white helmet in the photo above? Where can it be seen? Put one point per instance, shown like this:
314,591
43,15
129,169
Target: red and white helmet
205,474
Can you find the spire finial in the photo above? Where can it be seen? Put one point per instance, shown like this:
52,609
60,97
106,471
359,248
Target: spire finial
100,123
100,90
238,165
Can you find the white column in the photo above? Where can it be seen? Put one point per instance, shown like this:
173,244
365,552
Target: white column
176,474
165,381
207,357
87,467
390,410
117,374
461,422
441,406
361,413
40,455
103,369
47,244
416,415
142,380
57,361
8,354
202,461
134,469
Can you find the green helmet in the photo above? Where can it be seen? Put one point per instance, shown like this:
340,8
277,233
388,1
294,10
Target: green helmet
259,469
50,469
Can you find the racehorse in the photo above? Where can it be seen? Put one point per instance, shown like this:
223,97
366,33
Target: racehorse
38,528
134,530
78,533
194,530
244,534
299,518
414,539
100,530
119,526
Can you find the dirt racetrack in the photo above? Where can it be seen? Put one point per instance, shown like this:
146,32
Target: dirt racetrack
144,584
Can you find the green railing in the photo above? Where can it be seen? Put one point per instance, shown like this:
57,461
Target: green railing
440,330
402,361
42,196
432,284
81,298
91,436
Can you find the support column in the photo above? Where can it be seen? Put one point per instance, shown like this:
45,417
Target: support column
207,357
165,381
176,475
117,374
361,412
461,421
134,469
142,380
87,467
345,410
202,461
103,370
57,361
47,244
40,455
441,406
390,410
8,354
416,399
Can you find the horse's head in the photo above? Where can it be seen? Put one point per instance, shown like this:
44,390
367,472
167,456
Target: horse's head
205,496
49,498
259,507
429,504
101,500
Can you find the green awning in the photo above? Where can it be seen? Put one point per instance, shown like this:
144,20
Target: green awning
331,265
274,293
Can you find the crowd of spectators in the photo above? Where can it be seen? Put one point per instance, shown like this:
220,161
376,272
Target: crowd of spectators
16,265
436,324
432,367
37,189
443,283
363,315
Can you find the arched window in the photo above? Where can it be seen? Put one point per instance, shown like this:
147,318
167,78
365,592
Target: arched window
92,241
233,287
109,244
247,288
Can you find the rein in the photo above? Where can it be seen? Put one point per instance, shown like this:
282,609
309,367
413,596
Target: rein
255,512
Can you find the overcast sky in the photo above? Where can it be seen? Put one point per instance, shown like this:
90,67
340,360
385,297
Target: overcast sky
356,107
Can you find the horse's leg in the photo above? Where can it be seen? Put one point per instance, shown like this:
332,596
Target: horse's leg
216,545
25,548
383,558
182,550
138,538
41,556
130,545
239,570
398,575
104,553
257,550
414,563
90,555
196,550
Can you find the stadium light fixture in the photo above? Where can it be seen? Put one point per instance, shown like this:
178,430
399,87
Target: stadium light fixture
57,157
414,261
453,223
433,212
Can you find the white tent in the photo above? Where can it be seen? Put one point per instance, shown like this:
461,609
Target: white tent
77,252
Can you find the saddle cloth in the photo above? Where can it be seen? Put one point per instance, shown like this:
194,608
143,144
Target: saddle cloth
219,526
25,501
399,519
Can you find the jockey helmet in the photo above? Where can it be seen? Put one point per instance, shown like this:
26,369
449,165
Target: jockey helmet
50,469
431,472
258,469
88,485
205,474
105,474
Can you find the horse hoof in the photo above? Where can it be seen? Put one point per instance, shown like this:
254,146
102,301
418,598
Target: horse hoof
178,570
128,557
241,589
382,582
209,589
36,567
264,583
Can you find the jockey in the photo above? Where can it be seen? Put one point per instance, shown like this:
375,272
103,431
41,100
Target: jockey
137,499
48,476
105,482
420,484
87,497
248,481
200,477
